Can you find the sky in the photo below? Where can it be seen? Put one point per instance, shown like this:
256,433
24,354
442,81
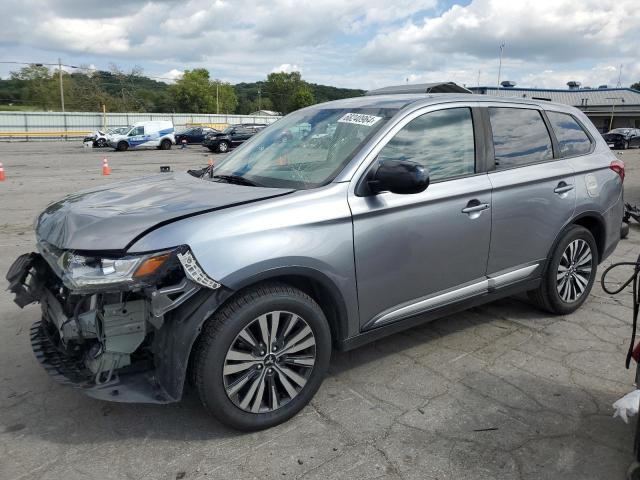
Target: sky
346,43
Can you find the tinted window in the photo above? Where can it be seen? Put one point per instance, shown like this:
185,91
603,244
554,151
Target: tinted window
442,141
520,137
571,137
137,131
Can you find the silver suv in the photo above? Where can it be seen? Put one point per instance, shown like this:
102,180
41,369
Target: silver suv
243,277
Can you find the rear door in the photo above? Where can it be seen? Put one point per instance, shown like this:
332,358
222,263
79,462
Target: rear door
418,252
534,192
241,134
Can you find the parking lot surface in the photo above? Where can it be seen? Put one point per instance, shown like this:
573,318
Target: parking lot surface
499,391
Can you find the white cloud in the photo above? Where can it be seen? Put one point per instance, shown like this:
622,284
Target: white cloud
172,75
286,68
358,43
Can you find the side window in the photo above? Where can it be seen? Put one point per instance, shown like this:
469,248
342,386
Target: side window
137,131
572,138
520,137
441,141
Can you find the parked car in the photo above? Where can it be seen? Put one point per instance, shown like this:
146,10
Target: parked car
98,139
195,134
232,136
155,133
622,138
245,276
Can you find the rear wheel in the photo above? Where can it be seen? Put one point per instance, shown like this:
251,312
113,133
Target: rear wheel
262,357
165,144
570,273
223,147
122,146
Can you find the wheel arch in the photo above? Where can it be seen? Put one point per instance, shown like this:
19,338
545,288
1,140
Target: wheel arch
592,221
315,284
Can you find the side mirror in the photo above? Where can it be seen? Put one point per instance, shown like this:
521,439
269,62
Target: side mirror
398,176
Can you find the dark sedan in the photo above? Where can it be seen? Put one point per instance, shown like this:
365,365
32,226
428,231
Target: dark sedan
195,134
232,136
622,138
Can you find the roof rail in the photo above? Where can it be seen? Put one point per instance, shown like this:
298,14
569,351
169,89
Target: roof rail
437,87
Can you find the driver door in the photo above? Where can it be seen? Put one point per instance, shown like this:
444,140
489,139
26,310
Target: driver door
418,252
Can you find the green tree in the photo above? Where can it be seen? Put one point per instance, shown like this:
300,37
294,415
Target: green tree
195,92
38,86
636,86
282,87
303,97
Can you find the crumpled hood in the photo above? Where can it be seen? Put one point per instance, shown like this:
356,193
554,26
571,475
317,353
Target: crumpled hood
112,217
613,136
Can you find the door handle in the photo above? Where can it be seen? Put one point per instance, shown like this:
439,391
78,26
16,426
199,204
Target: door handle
478,207
563,188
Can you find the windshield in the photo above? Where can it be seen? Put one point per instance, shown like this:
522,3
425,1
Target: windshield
622,131
289,154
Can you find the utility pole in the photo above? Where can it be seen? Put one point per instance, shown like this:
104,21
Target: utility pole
259,98
613,107
61,86
500,62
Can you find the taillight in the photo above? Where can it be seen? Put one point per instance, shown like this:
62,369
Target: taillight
618,167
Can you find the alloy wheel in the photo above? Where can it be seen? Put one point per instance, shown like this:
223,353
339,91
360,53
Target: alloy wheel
574,271
269,362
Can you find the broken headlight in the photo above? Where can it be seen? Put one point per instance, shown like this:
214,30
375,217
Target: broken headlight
80,272
91,273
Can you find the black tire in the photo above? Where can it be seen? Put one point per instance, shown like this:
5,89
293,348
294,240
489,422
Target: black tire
223,147
101,143
165,144
547,296
221,333
122,146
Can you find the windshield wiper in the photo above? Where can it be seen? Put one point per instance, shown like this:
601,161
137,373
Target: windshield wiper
238,180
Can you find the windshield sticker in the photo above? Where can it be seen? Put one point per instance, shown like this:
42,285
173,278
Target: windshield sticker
359,119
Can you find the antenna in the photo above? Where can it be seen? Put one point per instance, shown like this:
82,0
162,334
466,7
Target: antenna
619,76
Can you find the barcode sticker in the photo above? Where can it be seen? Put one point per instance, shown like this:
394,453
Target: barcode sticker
359,119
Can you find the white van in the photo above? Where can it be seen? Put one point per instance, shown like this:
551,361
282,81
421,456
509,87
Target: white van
154,133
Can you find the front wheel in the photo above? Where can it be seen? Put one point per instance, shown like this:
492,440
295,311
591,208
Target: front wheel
223,147
165,144
101,143
262,357
122,146
570,273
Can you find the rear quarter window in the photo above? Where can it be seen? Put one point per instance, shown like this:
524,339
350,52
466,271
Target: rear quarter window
520,137
572,139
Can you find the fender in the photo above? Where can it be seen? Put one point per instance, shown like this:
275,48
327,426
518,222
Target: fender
346,315
588,214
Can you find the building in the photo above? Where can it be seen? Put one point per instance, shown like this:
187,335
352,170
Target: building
605,107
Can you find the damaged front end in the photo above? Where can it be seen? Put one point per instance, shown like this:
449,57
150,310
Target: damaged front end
120,328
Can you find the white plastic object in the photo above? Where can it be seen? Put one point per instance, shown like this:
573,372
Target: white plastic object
627,406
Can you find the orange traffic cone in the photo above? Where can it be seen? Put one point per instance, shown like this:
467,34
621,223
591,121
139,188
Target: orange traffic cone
106,169
210,162
2,177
